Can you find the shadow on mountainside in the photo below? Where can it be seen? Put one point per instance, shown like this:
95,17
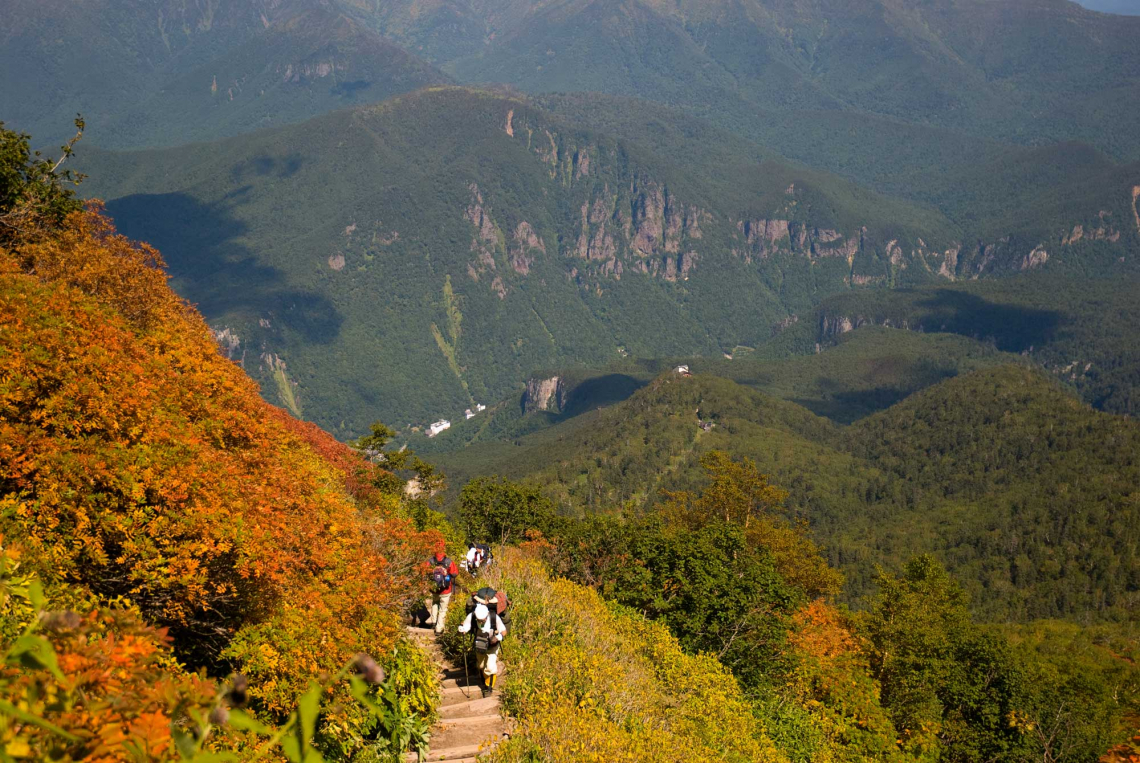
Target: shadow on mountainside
1011,328
600,392
213,271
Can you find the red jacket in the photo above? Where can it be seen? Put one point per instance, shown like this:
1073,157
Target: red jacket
452,572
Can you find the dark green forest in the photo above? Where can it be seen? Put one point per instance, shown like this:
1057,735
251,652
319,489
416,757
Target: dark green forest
1026,494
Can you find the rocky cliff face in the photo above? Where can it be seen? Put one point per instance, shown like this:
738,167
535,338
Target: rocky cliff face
544,395
758,239
644,228
627,221
832,326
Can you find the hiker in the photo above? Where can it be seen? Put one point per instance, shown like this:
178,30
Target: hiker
489,630
441,579
478,557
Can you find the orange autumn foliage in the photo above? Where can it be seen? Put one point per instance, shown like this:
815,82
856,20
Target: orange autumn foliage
831,680
819,633
137,462
118,695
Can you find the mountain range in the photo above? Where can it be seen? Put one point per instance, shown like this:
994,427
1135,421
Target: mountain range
529,184
470,238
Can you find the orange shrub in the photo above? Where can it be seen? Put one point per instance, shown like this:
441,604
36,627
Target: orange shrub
118,698
144,465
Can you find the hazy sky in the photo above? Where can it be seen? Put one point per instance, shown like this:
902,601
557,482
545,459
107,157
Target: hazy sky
1131,7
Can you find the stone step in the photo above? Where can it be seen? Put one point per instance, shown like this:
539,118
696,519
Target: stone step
472,707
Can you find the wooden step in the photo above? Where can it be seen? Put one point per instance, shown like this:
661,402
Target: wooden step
463,732
459,695
486,719
464,753
480,706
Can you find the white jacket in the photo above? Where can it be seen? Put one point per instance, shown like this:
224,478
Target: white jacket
495,631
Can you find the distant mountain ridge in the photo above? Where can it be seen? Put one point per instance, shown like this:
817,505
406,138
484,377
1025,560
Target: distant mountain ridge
160,74
1020,70
474,237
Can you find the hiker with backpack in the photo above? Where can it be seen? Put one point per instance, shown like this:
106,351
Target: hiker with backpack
485,620
441,580
478,557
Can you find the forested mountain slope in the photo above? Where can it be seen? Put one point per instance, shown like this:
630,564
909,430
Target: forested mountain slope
1079,330
506,239
1027,494
165,73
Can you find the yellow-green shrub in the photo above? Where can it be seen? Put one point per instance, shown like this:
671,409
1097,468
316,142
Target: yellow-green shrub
588,680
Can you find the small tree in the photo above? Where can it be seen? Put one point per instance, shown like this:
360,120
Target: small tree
429,480
496,509
34,192
738,492
950,687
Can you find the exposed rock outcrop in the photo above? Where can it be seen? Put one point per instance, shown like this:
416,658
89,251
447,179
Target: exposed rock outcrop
1035,258
544,395
524,246
1102,232
832,326
761,238
1135,209
317,70
229,344
785,324
646,231
485,243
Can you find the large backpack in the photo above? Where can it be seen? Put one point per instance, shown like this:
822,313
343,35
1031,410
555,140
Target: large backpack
492,598
503,607
440,579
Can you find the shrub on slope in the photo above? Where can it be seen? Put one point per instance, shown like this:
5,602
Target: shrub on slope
139,468
623,689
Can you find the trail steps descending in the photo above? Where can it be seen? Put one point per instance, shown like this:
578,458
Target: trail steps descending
469,724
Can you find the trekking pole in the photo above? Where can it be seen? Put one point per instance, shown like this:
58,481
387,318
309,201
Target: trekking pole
466,677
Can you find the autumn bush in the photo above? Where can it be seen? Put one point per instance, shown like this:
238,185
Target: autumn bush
139,467
831,682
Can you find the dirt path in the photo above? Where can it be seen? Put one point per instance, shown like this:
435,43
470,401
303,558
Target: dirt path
469,724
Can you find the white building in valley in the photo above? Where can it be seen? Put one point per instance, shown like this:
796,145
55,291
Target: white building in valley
438,427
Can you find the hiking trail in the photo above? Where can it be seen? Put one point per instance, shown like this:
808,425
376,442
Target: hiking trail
469,724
